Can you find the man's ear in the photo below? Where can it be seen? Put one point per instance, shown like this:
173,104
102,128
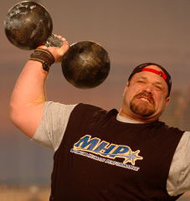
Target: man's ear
126,86
167,101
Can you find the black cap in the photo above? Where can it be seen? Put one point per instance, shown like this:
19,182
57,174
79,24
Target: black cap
166,76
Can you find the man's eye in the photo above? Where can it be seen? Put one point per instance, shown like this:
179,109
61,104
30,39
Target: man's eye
159,88
140,81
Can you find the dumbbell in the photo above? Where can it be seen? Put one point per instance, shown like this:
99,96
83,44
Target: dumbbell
28,25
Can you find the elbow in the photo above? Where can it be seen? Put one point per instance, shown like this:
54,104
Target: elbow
18,118
26,118
15,115
18,115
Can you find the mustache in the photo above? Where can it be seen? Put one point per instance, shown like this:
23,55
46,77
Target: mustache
146,95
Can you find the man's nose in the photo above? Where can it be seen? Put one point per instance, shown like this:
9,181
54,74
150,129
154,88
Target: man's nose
148,88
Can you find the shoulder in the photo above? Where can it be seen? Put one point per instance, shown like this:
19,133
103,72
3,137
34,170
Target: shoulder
84,106
166,128
87,109
91,114
179,175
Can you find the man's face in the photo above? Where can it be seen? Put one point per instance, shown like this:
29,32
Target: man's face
145,96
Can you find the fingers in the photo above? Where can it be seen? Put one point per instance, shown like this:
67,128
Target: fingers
55,41
57,52
60,38
42,47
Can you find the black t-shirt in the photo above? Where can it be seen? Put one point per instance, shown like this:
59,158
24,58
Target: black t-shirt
102,159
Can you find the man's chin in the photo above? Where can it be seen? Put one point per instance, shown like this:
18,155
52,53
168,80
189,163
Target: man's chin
142,111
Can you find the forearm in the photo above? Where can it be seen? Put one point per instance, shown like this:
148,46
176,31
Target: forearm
28,98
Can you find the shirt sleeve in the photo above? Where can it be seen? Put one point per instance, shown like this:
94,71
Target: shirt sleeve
179,175
53,125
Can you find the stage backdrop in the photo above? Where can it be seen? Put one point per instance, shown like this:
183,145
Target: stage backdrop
133,32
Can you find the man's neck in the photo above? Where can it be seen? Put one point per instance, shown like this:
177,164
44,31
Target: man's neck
137,119
126,119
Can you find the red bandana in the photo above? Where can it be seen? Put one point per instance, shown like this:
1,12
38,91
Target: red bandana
160,73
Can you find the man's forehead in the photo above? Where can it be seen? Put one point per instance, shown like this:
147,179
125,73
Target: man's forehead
148,75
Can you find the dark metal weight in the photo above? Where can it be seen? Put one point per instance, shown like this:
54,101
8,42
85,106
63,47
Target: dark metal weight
86,64
28,25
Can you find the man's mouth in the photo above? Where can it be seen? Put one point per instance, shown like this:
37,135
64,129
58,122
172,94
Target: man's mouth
144,96
145,99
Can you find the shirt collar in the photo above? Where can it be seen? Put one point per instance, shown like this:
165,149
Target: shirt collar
126,120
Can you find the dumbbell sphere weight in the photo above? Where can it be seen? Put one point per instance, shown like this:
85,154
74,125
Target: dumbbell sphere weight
86,64
28,25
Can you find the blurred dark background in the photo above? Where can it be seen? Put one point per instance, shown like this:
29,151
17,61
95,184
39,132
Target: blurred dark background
133,32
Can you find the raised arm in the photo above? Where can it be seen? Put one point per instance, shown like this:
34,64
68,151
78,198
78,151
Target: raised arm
28,96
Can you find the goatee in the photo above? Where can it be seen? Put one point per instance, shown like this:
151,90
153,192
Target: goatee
145,107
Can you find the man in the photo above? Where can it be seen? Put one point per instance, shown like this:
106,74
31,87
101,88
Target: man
105,155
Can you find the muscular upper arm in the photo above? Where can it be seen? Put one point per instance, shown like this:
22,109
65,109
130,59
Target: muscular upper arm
27,119
28,98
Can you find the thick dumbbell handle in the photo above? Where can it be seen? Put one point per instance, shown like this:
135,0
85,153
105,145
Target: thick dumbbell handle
53,41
